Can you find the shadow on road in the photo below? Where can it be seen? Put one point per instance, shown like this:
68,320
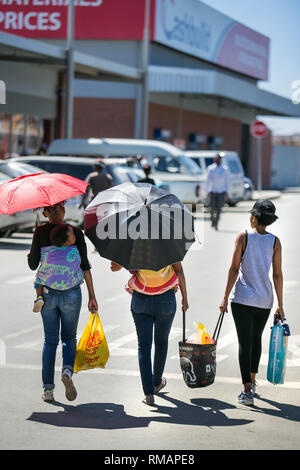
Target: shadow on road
202,412
283,410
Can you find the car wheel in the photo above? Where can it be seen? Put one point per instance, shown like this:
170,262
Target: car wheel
231,203
5,233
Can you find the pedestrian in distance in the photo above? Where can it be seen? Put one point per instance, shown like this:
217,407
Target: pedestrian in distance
61,271
153,307
217,187
254,254
147,179
98,181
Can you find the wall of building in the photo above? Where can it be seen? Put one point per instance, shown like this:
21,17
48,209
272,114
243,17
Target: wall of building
266,160
285,166
184,122
94,117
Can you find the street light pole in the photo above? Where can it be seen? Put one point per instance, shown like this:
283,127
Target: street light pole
70,72
145,93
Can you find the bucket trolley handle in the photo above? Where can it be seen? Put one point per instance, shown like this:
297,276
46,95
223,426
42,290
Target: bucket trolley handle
217,329
218,326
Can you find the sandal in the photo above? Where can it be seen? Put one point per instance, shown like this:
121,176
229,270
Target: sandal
161,385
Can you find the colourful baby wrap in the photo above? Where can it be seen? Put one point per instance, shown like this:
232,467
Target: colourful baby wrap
153,282
60,267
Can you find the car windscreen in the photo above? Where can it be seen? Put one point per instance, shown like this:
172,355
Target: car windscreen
4,177
233,166
180,164
209,161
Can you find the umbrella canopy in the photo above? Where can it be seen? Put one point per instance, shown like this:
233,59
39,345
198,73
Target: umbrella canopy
38,190
139,226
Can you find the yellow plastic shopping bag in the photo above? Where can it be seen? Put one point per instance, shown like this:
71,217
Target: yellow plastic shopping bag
92,350
200,336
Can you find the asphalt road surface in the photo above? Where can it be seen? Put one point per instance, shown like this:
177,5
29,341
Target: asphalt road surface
108,412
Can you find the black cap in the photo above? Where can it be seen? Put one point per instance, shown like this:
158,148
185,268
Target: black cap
264,207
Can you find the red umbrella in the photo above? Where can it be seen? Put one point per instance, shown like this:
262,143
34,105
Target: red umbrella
38,190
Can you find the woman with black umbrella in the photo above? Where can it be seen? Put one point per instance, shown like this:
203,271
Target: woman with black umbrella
147,231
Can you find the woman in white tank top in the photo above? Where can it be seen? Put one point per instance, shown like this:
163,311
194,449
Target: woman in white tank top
252,298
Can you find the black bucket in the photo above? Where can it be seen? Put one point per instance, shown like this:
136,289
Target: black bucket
198,361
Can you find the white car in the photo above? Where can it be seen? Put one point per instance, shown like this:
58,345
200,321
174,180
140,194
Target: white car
184,179
231,160
13,222
15,167
168,164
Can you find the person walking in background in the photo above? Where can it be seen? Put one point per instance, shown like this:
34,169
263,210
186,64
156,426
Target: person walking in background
61,293
252,300
147,179
217,187
153,306
98,181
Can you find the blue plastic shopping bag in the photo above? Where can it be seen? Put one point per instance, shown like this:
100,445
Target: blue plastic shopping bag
277,352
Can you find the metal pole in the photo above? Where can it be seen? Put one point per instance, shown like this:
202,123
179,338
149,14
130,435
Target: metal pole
70,72
10,136
145,92
25,133
259,164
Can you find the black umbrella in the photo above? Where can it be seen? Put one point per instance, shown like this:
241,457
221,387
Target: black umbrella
139,226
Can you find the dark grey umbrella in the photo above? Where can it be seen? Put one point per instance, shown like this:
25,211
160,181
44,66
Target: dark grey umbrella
139,226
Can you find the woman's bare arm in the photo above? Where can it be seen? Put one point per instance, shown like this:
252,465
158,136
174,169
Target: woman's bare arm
234,269
182,284
278,277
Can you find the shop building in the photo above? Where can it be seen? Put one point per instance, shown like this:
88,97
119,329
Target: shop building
200,84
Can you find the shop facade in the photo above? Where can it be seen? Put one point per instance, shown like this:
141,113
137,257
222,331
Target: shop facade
199,73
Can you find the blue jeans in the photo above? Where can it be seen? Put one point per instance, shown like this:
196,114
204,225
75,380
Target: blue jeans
61,308
153,312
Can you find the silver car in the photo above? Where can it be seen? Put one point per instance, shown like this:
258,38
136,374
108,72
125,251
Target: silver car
14,168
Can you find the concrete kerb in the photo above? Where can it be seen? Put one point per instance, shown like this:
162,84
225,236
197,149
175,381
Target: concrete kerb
266,194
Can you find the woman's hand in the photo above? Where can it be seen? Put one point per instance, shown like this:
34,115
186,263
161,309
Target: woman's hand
224,305
115,266
281,313
93,305
184,304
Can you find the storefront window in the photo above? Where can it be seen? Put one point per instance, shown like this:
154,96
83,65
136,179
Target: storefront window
19,135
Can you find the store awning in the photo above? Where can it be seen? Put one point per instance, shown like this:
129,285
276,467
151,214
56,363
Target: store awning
214,85
30,71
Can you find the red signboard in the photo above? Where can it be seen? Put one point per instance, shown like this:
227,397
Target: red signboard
259,129
94,19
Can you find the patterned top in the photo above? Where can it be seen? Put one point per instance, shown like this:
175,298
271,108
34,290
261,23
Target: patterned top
153,282
60,267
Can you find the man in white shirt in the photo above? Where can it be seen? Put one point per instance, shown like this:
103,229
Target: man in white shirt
217,186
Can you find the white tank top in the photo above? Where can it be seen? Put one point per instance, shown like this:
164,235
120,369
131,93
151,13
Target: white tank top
253,286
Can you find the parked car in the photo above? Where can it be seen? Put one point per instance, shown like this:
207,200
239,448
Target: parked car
183,177
204,158
248,189
121,170
14,222
15,167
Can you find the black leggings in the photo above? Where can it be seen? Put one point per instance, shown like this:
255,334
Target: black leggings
250,323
